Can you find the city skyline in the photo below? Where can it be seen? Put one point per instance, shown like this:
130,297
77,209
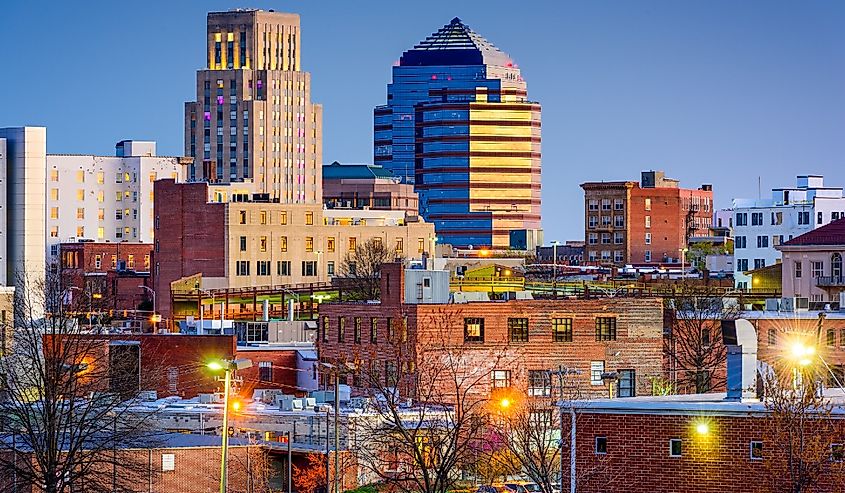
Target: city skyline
719,93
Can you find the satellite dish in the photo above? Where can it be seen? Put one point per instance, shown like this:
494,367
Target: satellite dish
469,247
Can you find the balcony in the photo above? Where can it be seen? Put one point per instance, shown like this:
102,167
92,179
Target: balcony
830,281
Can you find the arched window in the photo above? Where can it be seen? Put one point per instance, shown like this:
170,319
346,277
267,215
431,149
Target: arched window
836,265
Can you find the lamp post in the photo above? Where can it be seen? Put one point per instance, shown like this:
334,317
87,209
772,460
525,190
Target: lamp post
554,266
154,317
228,366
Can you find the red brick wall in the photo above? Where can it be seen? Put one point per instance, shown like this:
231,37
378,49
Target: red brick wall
284,371
638,345
637,459
668,221
189,236
119,290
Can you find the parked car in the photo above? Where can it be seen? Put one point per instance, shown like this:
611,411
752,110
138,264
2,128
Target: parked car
523,487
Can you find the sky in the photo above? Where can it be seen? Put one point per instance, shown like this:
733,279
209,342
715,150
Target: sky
723,92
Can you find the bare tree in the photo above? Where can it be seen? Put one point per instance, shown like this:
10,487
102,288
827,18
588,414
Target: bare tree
429,401
806,437
693,348
65,399
361,268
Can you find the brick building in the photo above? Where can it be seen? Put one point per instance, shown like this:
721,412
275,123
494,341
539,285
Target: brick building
698,442
107,275
233,238
649,222
172,462
532,336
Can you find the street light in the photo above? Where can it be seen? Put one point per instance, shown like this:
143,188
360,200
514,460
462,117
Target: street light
228,366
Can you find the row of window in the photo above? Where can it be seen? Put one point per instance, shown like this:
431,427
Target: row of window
357,328
120,177
331,244
518,329
776,218
742,264
817,267
607,255
283,268
755,449
540,381
119,232
618,221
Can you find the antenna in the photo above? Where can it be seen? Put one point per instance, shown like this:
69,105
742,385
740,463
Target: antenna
759,188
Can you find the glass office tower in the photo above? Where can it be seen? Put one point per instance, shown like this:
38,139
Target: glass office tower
458,125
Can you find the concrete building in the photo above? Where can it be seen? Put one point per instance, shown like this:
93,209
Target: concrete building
105,198
233,238
253,118
24,203
649,222
760,225
516,341
459,125
366,186
813,267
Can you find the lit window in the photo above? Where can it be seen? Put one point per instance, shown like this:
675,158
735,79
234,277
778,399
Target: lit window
283,218
283,241
352,243
474,329
262,244
756,450
54,175
330,244
80,194
101,178
309,218
562,329
501,379
54,212
309,244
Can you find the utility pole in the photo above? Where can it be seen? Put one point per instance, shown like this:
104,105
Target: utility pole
290,462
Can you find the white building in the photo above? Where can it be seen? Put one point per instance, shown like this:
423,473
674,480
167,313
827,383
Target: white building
105,198
761,225
22,212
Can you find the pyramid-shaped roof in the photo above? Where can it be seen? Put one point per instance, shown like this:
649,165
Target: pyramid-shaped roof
455,44
832,233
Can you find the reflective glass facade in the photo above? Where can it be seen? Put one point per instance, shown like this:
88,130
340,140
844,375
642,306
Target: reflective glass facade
458,126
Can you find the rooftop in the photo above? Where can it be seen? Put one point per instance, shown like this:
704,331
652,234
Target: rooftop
337,171
832,233
455,44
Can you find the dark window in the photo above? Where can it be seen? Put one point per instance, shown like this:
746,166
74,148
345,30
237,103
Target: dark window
606,328
390,374
474,330
627,383
705,337
831,337
341,329
539,383
390,332
356,330
837,452
518,329
265,371
325,328
601,445
675,447
562,329
243,243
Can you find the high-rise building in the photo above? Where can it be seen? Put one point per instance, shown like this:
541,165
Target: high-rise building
105,198
649,222
459,125
761,225
23,189
253,118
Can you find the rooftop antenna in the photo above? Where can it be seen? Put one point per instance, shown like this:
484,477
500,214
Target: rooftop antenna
759,188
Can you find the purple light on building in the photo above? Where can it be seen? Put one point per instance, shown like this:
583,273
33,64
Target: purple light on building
207,116
219,100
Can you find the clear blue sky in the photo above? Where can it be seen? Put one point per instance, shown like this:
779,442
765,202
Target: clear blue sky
710,91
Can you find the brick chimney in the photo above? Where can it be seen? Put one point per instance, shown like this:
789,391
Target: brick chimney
393,283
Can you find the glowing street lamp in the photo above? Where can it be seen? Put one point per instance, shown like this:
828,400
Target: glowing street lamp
802,354
702,428
228,366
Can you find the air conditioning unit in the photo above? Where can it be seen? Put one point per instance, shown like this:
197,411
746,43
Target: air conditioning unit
772,304
842,301
796,304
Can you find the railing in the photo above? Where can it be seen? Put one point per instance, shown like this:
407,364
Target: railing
830,281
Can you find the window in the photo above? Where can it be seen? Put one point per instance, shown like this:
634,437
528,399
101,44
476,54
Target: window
352,243
777,218
341,329
647,256
283,243
605,204
80,213
98,261
804,218
399,245
619,221
242,267
742,219
262,217
265,371
356,330
243,243
596,369
674,447
741,264
831,337
762,241
619,238
539,383
593,205
242,217
818,268
283,218
420,245
648,221
262,243
309,218
262,267
601,445
740,242
283,268
474,330
330,244
501,379
562,329
648,238
168,462
593,221
309,267
518,329
756,450
648,204
820,218
836,266
605,238
606,328
618,204
627,383
373,330
325,328
837,452
309,243
759,263
130,261
330,268
756,218
593,239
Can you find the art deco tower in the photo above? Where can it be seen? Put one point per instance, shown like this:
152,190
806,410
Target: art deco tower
253,118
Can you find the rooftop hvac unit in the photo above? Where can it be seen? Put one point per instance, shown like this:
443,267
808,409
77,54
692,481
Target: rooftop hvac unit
796,304
772,304
842,301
